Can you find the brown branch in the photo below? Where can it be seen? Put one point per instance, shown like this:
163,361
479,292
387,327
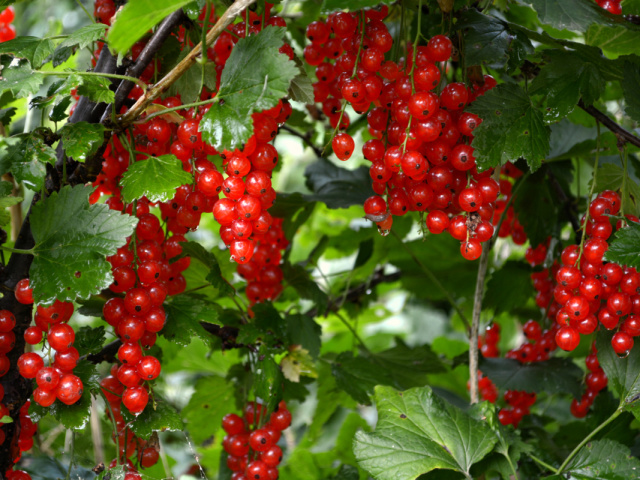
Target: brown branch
624,136
305,138
169,79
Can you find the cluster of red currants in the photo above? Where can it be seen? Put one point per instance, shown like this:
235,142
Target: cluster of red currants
251,442
146,453
7,30
421,156
57,380
26,430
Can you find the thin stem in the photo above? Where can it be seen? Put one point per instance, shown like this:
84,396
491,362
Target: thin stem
93,20
169,79
139,82
17,250
204,57
622,134
513,469
543,463
353,332
475,324
73,444
623,189
593,187
588,438
434,279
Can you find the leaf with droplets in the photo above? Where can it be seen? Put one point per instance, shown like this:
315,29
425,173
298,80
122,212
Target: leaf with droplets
156,178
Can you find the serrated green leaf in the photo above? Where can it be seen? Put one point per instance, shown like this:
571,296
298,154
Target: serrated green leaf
298,278
486,39
85,36
511,128
34,49
26,157
156,178
417,433
613,40
61,55
301,89
6,114
72,240
356,376
17,75
513,277
136,19
564,80
303,330
624,248
268,382
603,459
59,110
82,139
188,84
89,339
210,402
228,124
158,416
336,186
631,86
6,200
94,88
184,314
575,15
539,219
556,375
198,252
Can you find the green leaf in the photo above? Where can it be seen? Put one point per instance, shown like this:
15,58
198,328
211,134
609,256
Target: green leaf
6,200
631,86
509,287
305,331
486,39
417,433
539,219
156,178
17,75
603,459
575,15
188,84
94,88
6,114
85,36
158,415
353,5
511,128
625,246
26,158
136,19
268,382
59,110
82,139
556,375
72,240
184,314
356,376
34,49
565,79
6,419
298,278
613,40
301,89
336,186
89,340
198,252
623,373
228,123
61,55
210,402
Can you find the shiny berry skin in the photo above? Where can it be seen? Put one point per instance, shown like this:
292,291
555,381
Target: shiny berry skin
343,146
259,440
130,353
148,368
280,419
135,399
48,378
149,457
470,199
272,456
29,364
622,343
471,250
61,337
233,424
454,96
68,360
257,470
567,338
24,293
423,105
439,48
137,301
237,445
69,389
33,335
242,250
437,221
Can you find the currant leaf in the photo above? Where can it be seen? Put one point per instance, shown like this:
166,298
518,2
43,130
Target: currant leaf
82,139
574,15
158,416
72,240
417,433
209,260
336,186
156,178
486,39
18,77
34,49
605,458
256,76
26,157
186,312
511,128
613,40
514,277
209,403
188,85
540,218
623,248
630,87
89,339
85,36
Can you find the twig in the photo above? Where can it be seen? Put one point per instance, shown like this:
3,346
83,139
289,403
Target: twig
305,138
475,324
623,135
154,92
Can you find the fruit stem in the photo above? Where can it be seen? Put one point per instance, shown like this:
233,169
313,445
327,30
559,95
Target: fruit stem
435,280
586,439
542,463
353,332
593,187
18,250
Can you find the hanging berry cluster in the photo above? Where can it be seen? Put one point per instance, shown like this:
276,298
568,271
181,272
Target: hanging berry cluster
421,157
251,442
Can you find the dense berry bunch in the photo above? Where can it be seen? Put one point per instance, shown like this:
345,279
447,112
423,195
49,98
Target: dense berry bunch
421,157
251,442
